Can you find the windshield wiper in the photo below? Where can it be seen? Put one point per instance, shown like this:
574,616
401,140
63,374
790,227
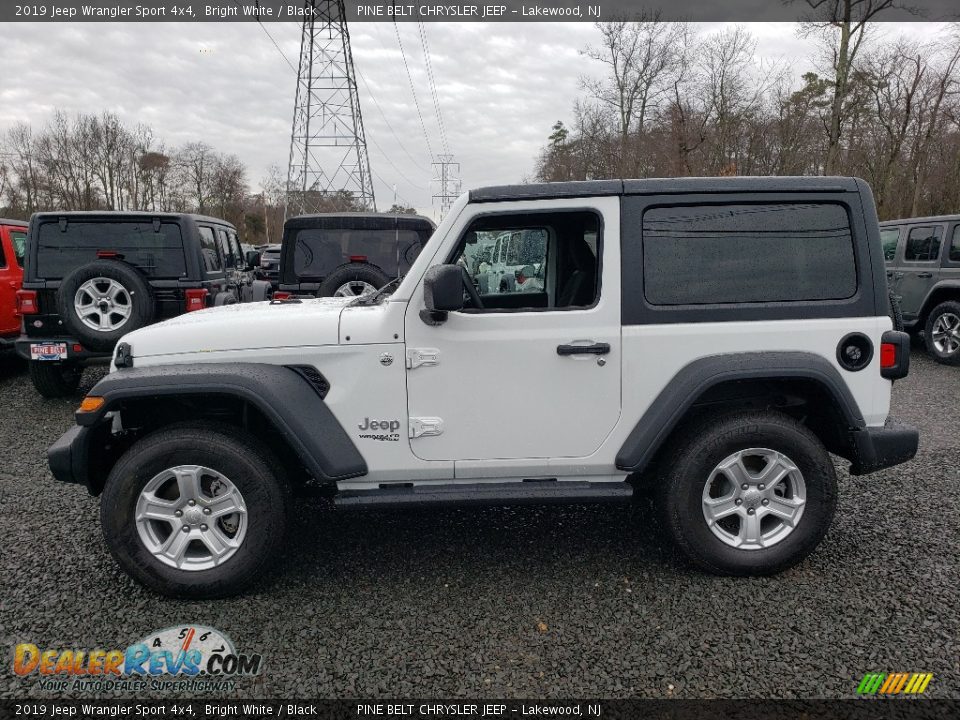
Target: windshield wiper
374,298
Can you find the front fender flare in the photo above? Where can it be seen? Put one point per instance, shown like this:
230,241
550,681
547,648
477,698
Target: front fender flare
286,398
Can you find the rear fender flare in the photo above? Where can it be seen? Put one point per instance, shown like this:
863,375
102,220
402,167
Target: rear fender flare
693,380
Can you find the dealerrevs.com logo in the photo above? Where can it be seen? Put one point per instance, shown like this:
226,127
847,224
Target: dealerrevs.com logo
189,657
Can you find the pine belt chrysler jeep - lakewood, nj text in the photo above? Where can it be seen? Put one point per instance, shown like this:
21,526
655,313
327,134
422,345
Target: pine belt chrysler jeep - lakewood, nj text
716,339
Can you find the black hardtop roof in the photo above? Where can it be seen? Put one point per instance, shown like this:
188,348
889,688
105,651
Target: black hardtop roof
926,218
657,186
19,223
360,221
124,214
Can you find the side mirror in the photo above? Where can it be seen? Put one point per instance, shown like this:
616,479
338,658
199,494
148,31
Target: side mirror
253,258
442,292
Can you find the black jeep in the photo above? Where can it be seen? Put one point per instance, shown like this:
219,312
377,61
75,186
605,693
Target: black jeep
349,254
92,277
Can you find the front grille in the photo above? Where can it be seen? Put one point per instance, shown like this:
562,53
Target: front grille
313,376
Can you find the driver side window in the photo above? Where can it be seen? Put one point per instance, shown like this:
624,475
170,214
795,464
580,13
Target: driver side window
533,261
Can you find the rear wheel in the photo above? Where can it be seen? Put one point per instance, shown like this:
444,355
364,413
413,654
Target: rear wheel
750,493
195,510
55,379
353,280
942,333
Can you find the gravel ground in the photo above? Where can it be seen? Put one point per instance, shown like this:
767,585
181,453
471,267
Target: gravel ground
526,603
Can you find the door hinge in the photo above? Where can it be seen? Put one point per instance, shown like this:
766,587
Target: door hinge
422,356
425,426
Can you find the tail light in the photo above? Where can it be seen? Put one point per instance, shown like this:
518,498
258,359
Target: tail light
197,299
27,302
894,355
358,258
282,295
521,278
888,356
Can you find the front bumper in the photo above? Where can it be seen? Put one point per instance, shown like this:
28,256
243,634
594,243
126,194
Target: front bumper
69,457
879,448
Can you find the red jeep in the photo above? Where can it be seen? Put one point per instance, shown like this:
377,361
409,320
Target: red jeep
13,240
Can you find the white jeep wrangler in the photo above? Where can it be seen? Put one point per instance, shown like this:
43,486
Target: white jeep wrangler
713,338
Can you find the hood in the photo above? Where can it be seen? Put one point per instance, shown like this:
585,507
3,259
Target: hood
244,326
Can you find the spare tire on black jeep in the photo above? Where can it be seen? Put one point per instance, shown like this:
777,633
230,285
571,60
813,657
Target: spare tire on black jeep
353,280
104,300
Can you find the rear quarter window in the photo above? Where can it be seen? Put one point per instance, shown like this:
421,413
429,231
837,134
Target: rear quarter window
209,256
158,253
889,237
747,253
18,240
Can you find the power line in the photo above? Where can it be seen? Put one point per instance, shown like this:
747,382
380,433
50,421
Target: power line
387,121
399,171
413,91
431,78
279,49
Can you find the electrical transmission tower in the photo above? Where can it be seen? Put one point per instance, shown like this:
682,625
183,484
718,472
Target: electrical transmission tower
329,166
448,179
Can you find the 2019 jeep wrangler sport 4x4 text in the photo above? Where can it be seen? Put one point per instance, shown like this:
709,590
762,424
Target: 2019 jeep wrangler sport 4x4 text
715,338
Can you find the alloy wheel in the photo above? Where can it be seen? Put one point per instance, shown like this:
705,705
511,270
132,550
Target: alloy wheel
754,498
191,517
103,304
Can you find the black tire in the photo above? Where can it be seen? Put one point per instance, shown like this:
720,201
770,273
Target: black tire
55,379
138,295
946,358
252,468
353,272
896,313
692,459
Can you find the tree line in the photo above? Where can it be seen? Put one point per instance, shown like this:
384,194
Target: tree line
677,101
96,162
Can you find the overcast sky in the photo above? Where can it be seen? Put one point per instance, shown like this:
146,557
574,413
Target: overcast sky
500,86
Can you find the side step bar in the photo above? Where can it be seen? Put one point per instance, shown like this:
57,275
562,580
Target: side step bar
512,493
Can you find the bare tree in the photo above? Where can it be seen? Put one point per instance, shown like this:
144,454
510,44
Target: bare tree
640,57
195,162
842,26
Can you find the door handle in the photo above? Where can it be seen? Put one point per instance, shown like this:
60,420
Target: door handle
595,349
925,275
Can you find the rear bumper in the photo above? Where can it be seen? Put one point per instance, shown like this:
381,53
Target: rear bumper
73,355
879,448
69,457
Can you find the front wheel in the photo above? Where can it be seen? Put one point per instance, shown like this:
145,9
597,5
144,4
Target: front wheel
749,493
195,510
